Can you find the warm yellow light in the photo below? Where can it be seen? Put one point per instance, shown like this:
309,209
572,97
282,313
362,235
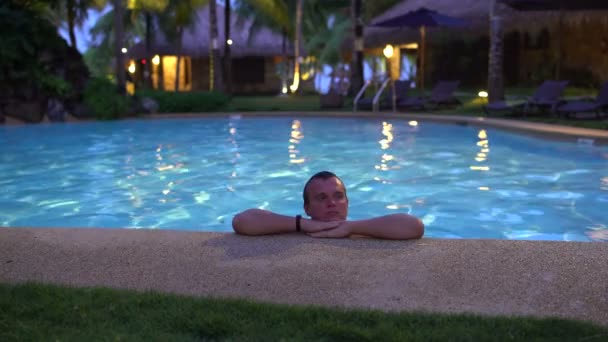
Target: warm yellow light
483,94
482,134
413,123
485,150
483,143
388,51
387,132
156,60
411,46
306,76
132,67
229,41
484,188
284,90
296,82
480,168
124,50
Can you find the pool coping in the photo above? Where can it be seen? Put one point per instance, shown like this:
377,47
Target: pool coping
548,131
487,277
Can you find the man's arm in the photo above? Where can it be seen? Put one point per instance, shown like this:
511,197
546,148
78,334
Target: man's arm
260,222
394,227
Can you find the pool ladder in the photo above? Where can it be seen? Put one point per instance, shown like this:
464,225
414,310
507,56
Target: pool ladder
376,99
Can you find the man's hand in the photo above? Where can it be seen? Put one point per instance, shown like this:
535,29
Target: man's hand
340,231
314,226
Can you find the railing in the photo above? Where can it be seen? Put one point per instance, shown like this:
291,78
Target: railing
360,93
376,100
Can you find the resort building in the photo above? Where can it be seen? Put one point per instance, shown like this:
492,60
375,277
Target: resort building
257,56
537,45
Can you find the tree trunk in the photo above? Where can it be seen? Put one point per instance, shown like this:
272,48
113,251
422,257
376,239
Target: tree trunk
285,63
118,45
496,90
357,58
71,17
180,30
296,67
227,57
148,65
215,67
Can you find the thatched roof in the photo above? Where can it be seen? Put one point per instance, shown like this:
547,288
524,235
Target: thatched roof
196,42
474,11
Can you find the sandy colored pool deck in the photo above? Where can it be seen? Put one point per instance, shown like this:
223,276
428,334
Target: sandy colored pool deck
490,277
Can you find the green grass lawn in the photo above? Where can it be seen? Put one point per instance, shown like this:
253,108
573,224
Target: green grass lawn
51,313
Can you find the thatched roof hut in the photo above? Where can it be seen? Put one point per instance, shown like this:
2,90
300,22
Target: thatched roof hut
247,42
476,12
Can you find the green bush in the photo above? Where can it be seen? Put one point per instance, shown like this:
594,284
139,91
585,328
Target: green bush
101,96
186,102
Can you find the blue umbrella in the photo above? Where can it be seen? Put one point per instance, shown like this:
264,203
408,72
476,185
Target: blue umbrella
421,18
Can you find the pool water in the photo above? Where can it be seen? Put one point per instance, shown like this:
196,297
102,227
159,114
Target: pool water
195,174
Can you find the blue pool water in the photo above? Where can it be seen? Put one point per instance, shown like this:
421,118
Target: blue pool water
195,174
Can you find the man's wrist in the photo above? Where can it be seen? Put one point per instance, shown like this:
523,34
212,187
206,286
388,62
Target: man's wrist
298,223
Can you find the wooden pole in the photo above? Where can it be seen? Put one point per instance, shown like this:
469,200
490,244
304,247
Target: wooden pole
422,53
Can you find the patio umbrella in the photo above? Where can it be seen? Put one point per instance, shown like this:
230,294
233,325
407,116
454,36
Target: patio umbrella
420,19
561,6
556,5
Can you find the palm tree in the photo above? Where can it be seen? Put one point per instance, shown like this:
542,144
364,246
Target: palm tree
357,66
178,16
227,62
495,72
74,13
214,57
297,41
118,45
148,8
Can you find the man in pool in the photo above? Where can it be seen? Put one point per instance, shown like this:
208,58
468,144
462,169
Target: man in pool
326,203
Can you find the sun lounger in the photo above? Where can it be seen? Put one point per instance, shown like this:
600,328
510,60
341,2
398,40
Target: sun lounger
546,97
442,94
333,99
599,105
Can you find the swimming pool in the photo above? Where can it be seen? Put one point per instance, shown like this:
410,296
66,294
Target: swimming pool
195,174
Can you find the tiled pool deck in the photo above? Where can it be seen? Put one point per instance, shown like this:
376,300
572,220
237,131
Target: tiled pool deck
492,277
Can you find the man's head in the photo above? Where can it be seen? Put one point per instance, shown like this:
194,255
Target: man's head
325,197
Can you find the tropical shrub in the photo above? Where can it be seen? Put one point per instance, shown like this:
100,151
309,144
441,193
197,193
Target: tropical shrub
101,96
186,102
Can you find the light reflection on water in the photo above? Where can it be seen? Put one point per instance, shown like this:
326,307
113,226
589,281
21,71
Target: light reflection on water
196,174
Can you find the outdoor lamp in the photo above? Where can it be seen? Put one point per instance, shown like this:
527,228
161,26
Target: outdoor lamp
483,94
124,50
388,51
132,67
156,60
229,41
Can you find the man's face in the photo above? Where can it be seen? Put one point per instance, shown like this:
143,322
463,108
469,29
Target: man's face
327,200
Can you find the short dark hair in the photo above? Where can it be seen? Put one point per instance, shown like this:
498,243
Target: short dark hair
321,175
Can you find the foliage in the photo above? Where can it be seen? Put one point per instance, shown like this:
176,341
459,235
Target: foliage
374,8
29,44
186,102
101,96
44,312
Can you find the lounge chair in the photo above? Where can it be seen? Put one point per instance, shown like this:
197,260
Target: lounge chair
442,94
333,99
386,102
547,96
599,105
